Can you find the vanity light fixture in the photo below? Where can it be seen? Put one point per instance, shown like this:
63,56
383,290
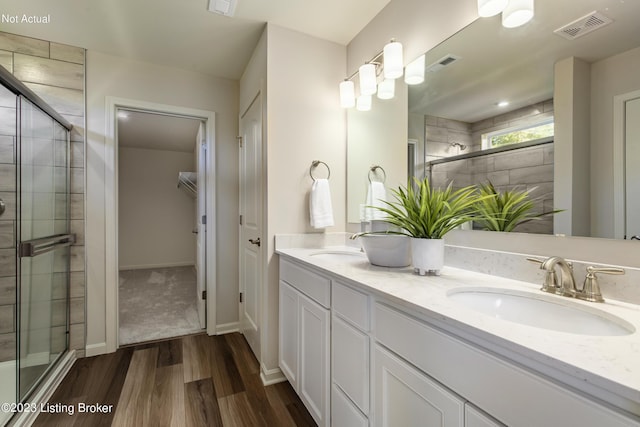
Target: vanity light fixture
387,89
517,13
414,73
487,8
363,103
347,94
388,69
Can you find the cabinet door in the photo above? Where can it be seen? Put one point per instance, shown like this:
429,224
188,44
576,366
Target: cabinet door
473,417
314,359
350,367
343,412
288,331
407,397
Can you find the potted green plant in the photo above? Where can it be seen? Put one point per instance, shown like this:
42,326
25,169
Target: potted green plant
505,210
426,214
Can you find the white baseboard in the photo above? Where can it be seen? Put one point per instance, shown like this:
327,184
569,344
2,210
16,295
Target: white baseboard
96,349
271,376
227,328
148,266
46,389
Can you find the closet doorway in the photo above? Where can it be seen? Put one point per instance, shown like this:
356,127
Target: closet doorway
161,174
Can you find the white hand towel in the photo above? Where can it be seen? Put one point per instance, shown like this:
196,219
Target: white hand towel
376,196
320,204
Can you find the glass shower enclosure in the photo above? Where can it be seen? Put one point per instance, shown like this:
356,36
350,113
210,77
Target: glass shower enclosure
34,240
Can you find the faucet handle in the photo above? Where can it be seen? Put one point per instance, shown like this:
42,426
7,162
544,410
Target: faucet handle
550,283
591,288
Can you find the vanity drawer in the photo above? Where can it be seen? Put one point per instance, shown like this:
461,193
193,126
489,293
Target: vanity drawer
518,397
351,305
313,285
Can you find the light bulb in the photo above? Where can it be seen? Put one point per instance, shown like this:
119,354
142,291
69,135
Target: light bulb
363,103
367,74
387,89
347,94
393,61
517,13
414,73
488,8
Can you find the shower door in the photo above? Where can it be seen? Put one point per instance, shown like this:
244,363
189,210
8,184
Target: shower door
44,240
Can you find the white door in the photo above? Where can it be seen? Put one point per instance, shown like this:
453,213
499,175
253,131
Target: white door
251,223
201,227
632,168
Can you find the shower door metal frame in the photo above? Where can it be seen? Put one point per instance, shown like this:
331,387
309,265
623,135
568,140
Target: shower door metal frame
24,93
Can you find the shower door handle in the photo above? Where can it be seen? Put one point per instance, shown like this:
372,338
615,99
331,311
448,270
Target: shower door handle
31,248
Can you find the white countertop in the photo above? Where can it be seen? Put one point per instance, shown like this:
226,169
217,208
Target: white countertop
607,367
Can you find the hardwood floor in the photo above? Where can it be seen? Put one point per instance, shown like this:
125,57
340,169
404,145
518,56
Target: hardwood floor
194,381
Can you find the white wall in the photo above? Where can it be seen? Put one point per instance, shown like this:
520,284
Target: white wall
418,24
109,75
613,76
571,171
305,123
155,216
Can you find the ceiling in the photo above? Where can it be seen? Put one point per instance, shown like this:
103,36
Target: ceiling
156,132
517,64
182,33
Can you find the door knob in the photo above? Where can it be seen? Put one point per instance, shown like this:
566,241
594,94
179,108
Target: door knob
255,242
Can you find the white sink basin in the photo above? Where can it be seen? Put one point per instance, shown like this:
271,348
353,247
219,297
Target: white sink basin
339,256
541,311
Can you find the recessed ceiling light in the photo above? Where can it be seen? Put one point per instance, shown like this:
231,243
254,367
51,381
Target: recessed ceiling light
502,104
223,7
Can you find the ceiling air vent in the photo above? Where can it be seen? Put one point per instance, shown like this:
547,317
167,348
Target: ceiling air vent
584,25
441,63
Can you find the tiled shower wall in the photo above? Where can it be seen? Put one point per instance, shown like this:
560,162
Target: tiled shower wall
55,72
526,168
441,132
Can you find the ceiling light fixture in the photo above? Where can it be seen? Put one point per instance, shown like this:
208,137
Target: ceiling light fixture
223,7
487,8
517,13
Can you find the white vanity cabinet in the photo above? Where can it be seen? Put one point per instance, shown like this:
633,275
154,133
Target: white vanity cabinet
358,358
304,337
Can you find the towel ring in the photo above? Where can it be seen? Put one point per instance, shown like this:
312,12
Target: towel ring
314,165
373,170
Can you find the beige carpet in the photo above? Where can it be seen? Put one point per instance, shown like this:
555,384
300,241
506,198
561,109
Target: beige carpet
157,303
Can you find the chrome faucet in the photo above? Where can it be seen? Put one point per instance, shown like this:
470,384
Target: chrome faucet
567,282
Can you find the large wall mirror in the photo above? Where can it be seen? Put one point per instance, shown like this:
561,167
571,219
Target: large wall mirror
528,107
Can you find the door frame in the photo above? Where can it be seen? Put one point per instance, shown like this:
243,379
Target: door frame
112,104
619,170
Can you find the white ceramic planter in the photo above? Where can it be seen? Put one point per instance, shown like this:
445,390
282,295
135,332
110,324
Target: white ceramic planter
388,250
427,255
